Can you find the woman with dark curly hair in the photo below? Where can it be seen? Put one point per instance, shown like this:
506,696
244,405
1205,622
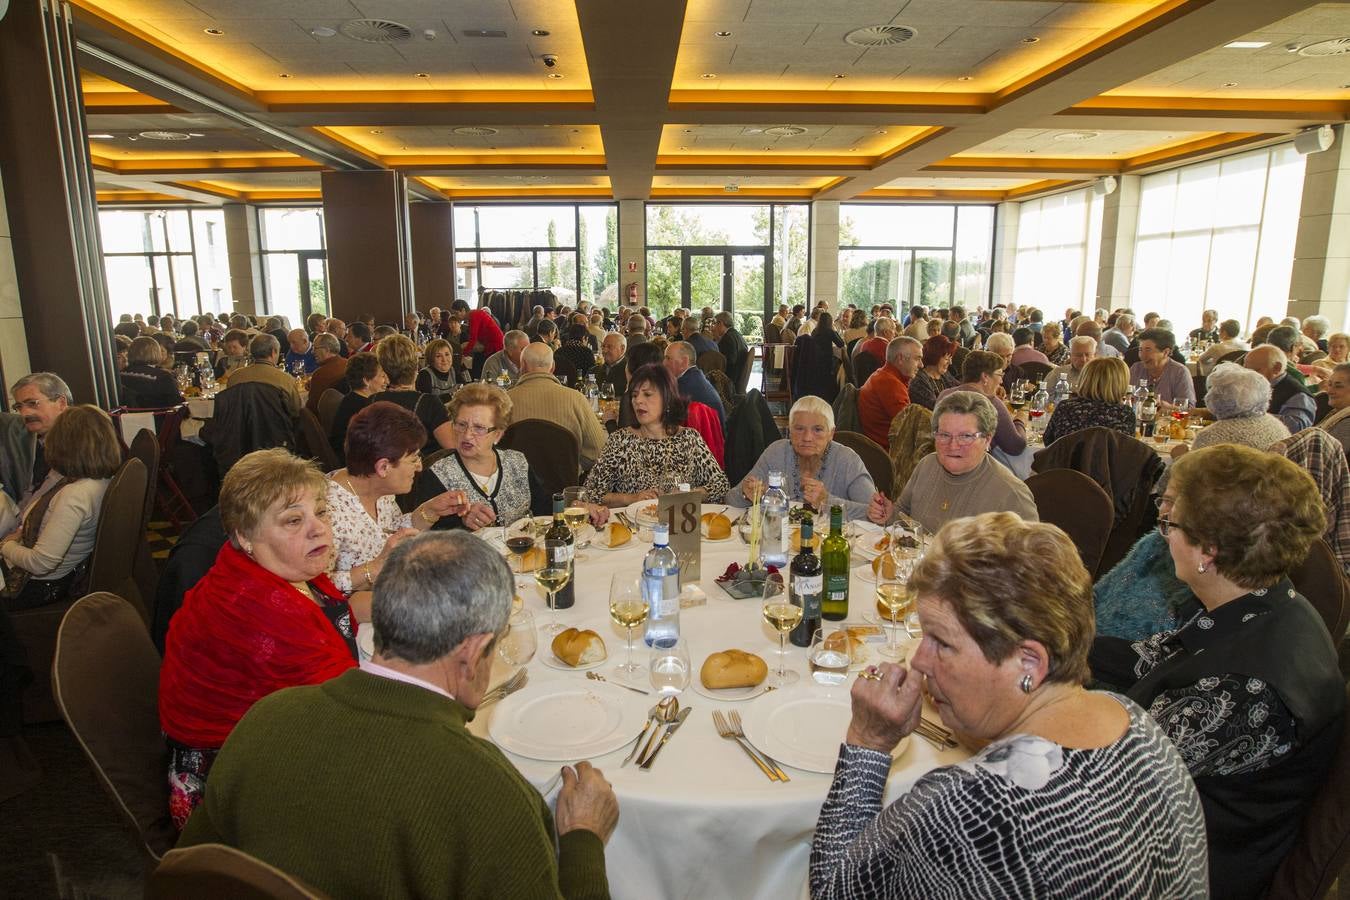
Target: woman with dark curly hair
636,460
365,378
1248,687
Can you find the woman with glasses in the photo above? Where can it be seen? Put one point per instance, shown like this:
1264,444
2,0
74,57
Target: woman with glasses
960,479
816,470
1248,686
983,372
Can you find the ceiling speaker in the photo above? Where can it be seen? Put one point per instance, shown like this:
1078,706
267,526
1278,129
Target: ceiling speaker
1314,140
1106,186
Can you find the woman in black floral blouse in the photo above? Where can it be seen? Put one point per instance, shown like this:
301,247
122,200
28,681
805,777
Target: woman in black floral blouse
1248,687
1099,401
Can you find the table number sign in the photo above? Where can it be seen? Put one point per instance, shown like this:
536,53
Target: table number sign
681,511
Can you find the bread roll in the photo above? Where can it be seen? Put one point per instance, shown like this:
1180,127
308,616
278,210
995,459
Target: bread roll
884,566
579,648
845,642
532,559
617,534
716,527
732,669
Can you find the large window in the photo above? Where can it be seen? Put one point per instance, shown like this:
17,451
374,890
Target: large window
1058,245
1219,235
160,261
295,268
907,255
739,257
570,249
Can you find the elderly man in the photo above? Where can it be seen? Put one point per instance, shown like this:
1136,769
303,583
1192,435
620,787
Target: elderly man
691,330
265,351
883,333
456,818
1290,341
1082,350
637,330
1024,349
1093,329
886,391
331,372
1207,330
1290,401
918,324
1167,377
1315,329
190,342
234,355
538,394
506,359
680,359
1118,336
614,351
732,345
338,329
358,337
300,353
1228,342
39,399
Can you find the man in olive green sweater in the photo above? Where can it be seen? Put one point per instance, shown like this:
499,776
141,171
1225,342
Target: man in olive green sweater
370,786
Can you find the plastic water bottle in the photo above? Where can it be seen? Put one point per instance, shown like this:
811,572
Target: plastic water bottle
1062,389
775,534
592,392
661,590
1037,411
1138,398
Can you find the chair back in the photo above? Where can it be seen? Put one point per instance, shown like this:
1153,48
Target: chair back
773,334
743,376
712,360
565,370
551,450
722,384
329,401
864,364
218,872
1077,504
120,530
1234,356
314,442
910,439
1036,371
145,447
1321,579
1322,848
105,677
874,457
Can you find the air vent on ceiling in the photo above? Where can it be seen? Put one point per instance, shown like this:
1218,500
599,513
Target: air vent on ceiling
785,130
879,35
376,31
484,32
1070,136
165,135
1335,47
474,131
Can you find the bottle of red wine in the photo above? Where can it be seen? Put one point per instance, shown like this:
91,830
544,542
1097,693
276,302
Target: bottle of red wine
567,596
806,582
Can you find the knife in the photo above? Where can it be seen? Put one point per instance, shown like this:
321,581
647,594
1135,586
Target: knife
674,726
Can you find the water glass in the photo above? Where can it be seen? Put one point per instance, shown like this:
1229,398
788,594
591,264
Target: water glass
831,655
517,646
670,668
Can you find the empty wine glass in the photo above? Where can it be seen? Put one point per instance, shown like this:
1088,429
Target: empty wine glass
517,646
670,668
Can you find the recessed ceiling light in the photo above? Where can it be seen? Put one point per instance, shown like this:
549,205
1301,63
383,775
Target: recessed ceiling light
540,32
1246,45
1230,84
283,75
963,78
840,76
768,148
1031,40
555,75
684,148
214,32
323,31
195,134
882,131
422,75
377,131
100,137
722,33
708,75
754,131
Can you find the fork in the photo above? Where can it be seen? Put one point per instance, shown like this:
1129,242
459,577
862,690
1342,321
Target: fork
725,730
740,733
505,689
596,676
937,735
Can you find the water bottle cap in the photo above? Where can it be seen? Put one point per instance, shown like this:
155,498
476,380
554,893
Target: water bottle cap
775,479
660,534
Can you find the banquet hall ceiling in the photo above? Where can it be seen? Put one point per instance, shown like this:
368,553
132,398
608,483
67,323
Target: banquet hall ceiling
214,100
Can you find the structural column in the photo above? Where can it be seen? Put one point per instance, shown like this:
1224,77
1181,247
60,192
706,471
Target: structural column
1120,224
13,342
244,252
433,264
825,253
1006,220
1320,280
365,224
633,248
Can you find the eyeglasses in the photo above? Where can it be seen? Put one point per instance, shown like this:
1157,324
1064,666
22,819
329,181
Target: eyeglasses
1165,526
475,430
961,440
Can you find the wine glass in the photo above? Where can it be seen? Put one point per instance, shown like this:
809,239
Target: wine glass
670,668
782,611
895,601
520,541
553,576
576,513
628,610
517,646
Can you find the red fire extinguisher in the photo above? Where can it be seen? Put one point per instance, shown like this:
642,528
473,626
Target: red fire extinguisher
632,293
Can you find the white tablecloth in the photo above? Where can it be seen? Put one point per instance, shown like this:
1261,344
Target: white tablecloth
703,822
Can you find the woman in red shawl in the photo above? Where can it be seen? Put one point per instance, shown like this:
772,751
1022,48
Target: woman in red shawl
263,618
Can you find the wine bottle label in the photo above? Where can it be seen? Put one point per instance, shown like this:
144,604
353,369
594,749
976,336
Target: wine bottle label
808,585
560,556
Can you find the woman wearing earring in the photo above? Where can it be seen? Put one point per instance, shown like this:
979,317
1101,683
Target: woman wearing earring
1248,687
1076,793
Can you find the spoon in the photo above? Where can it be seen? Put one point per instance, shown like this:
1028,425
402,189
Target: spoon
668,710
653,716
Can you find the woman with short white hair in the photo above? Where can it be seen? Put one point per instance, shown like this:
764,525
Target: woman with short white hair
1238,399
816,470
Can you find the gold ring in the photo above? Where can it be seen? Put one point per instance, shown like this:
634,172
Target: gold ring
870,676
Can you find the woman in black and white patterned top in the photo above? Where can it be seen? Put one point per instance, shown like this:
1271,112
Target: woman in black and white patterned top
1248,688
1078,793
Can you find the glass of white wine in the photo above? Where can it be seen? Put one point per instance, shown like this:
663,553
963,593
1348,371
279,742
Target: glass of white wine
670,669
895,601
517,646
782,612
553,578
628,610
576,513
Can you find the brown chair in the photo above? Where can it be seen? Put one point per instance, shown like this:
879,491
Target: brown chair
712,360
105,678
722,384
121,528
1322,848
1036,371
328,404
218,872
874,457
1078,505
778,381
864,364
1235,356
551,450
743,378
145,447
1321,579
565,371
314,442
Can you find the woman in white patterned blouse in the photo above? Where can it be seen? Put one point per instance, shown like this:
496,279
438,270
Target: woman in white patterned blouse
1076,794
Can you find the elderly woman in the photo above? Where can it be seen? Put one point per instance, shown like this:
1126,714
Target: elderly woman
934,378
44,557
1001,344
437,378
576,349
1076,794
856,327
816,470
365,379
1099,401
1337,393
398,357
263,618
982,373
658,449
1052,344
1248,687
959,479
1238,399
146,384
1338,348
383,453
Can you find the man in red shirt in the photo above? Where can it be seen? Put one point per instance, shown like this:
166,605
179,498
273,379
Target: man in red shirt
485,335
884,333
887,390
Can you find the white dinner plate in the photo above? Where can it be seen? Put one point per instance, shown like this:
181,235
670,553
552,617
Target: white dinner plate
563,723
599,542
365,640
803,728
553,662
541,523
864,545
730,695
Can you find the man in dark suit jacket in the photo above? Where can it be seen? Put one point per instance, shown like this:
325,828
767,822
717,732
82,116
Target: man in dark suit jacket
614,350
733,347
693,383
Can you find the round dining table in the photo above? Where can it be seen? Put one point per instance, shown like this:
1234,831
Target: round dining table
703,821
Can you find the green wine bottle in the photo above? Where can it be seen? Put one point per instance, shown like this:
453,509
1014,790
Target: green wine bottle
563,555
834,560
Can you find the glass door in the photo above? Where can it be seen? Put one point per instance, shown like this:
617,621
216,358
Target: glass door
313,269
750,297
705,281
